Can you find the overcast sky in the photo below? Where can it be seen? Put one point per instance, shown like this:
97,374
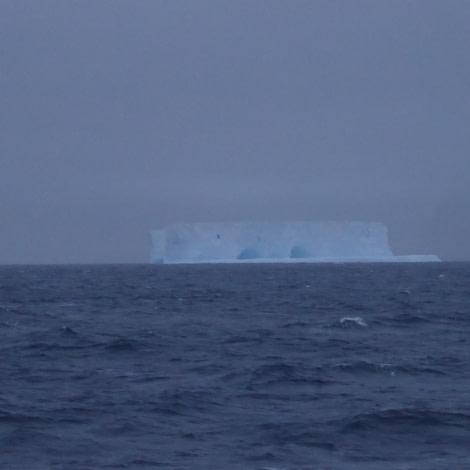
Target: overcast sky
117,117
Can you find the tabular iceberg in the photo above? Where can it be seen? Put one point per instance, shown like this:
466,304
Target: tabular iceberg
275,242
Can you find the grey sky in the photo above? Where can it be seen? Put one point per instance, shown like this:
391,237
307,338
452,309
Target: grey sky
117,117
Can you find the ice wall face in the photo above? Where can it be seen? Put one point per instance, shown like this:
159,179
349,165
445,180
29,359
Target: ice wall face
270,241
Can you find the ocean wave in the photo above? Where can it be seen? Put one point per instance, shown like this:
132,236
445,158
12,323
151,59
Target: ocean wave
400,417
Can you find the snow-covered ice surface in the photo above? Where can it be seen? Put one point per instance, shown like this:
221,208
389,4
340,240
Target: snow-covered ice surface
264,242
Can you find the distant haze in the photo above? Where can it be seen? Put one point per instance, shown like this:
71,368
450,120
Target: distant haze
117,117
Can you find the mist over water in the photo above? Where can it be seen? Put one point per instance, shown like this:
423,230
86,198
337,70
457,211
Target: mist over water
122,117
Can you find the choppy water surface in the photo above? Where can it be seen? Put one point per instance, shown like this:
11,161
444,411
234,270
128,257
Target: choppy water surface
360,366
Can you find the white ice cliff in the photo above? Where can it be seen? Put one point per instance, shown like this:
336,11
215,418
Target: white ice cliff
275,242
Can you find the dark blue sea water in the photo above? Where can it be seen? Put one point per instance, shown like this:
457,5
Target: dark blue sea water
354,366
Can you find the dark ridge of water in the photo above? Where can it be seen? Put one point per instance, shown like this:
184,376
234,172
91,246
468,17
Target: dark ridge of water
334,366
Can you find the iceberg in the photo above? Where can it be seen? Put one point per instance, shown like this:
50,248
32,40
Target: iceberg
261,242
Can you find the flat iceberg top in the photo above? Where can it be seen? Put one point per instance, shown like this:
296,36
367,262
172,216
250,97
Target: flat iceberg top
311,241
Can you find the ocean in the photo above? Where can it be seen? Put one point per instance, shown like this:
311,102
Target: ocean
244,367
